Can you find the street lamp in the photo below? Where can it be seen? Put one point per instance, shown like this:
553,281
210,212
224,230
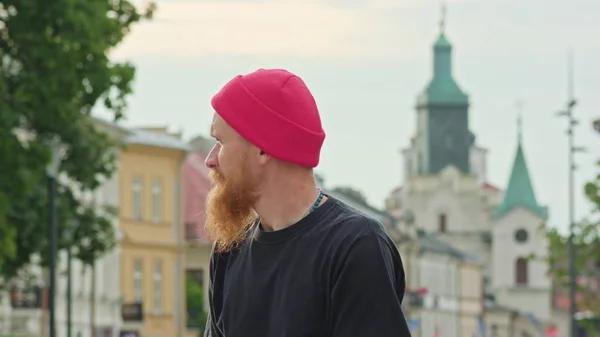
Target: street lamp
69,234
568,113
52,172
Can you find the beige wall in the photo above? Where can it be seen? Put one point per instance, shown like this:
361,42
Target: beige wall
151,241
471,297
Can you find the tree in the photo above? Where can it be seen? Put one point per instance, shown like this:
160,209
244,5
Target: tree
587,257
54,68
352,193
194,297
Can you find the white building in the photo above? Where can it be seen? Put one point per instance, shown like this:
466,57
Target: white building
441,308
21,309
445,189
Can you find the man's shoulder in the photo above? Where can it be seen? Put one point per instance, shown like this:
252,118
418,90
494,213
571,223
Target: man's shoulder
353,222
358,237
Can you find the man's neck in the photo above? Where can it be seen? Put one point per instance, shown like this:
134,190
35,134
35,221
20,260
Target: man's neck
282,205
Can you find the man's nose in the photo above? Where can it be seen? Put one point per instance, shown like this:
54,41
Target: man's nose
212,161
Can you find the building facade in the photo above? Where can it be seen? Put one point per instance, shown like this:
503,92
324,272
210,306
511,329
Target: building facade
195,190
446,191
95,290
471,299
152,261
442,288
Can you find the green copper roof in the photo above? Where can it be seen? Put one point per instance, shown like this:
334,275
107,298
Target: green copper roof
442,42
520,189
443,89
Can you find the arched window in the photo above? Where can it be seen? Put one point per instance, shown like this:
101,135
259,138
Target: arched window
521,269
442,222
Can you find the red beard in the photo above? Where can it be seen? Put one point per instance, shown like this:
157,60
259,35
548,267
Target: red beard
229,209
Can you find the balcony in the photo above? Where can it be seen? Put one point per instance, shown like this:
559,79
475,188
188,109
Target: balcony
132,312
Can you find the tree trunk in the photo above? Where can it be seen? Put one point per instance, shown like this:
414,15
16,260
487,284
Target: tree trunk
93,302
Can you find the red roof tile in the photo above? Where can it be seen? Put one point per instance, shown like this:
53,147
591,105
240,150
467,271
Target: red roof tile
489,186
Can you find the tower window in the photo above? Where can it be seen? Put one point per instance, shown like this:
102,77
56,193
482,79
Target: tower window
442,223
522,271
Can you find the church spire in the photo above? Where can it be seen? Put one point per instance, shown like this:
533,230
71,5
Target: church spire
443,137
442,89
519,192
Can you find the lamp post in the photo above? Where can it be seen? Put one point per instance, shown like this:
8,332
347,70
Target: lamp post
568,112
69,234
52,172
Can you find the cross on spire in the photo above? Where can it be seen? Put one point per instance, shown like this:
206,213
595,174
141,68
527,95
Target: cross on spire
519,105
442,16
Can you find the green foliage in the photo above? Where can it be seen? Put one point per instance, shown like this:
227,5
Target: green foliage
54,68
587,248
194,297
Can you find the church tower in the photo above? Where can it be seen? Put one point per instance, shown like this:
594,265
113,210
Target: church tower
443,137
518,280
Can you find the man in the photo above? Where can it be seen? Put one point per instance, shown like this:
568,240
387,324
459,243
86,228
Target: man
289,261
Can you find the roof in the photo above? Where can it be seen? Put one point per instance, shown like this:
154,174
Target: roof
520,189
488,186
493,304
442,89
202,144
397,189
196,185
156,139
138,136
430,243
361,206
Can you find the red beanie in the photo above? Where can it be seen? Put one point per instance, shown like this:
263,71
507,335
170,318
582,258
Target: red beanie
274,110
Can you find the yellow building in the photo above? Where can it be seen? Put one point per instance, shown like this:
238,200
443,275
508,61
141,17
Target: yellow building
152,245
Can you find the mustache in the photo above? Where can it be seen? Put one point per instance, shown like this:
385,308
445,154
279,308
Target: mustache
216,176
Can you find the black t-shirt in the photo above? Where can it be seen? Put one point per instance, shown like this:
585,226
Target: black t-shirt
335,273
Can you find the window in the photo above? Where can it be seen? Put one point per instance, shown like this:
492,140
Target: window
156,200
137,198
521,271
157,287
521,236
197,275
138,284
442,223
494,330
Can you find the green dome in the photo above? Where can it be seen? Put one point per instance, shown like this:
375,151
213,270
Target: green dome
442,89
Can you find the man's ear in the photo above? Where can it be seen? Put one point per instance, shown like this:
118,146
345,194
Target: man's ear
263,157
